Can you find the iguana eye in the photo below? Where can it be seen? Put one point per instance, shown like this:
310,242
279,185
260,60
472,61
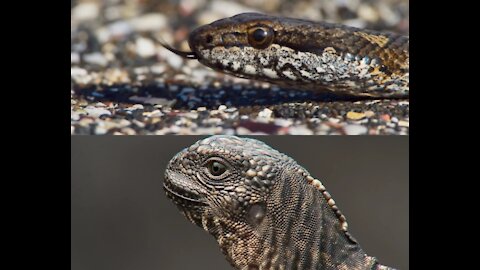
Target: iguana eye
260,37
216,168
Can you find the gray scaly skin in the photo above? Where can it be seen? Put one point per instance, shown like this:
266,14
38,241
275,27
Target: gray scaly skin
264,210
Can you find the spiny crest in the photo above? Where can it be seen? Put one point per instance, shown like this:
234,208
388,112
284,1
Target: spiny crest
318,185
249,150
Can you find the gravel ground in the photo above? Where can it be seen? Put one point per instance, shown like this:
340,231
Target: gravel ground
124,82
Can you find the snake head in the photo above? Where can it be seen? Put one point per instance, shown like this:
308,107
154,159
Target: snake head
233,45
304,54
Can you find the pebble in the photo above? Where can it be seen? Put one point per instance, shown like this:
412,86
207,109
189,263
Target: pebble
154,101
96,59
355,130
224,8
80,75
138,123
85,11
209,131
158,68
102,34
74,58
403,123
300,130
355,23
323,128
116,29
391,125
141,70
75,116
145,47
283,122
97,111
99,130
173,60
123,123
149,22
128,131
155,113
385,117
116,76
334,120
76,71
369,114
265,115
113,13
136,107
355,115
85,121
189,6
368,13
387,14
243,131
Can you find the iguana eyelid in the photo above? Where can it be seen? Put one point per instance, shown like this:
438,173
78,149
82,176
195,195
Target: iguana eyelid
220,160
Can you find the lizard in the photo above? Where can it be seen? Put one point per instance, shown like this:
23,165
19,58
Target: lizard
265,210
303,54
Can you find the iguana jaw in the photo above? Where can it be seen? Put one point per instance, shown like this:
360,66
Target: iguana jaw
190,201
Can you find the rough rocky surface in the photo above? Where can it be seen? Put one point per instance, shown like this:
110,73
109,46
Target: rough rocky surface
124,82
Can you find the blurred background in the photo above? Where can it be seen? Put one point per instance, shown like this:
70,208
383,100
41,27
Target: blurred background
121,218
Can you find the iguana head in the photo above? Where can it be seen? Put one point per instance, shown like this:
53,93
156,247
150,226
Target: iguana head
263,208
223,179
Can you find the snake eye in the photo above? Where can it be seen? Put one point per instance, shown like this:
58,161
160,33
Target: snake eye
216,168
260,37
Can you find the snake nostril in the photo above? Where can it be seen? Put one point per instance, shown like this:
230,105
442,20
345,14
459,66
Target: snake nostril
209,39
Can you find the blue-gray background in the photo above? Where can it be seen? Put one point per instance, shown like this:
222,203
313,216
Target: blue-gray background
121,218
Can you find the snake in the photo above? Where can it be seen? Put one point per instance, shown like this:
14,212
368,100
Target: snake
303,54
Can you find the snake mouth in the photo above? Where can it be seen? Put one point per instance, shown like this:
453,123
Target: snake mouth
188,55
184,54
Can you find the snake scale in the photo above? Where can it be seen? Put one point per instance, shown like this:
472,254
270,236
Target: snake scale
304,54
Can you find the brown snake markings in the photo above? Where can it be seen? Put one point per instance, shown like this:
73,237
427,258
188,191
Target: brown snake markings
304,54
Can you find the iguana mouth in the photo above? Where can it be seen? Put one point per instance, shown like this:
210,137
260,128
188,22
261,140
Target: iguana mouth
176,190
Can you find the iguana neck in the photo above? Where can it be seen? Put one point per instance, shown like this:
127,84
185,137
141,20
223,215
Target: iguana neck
298,231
